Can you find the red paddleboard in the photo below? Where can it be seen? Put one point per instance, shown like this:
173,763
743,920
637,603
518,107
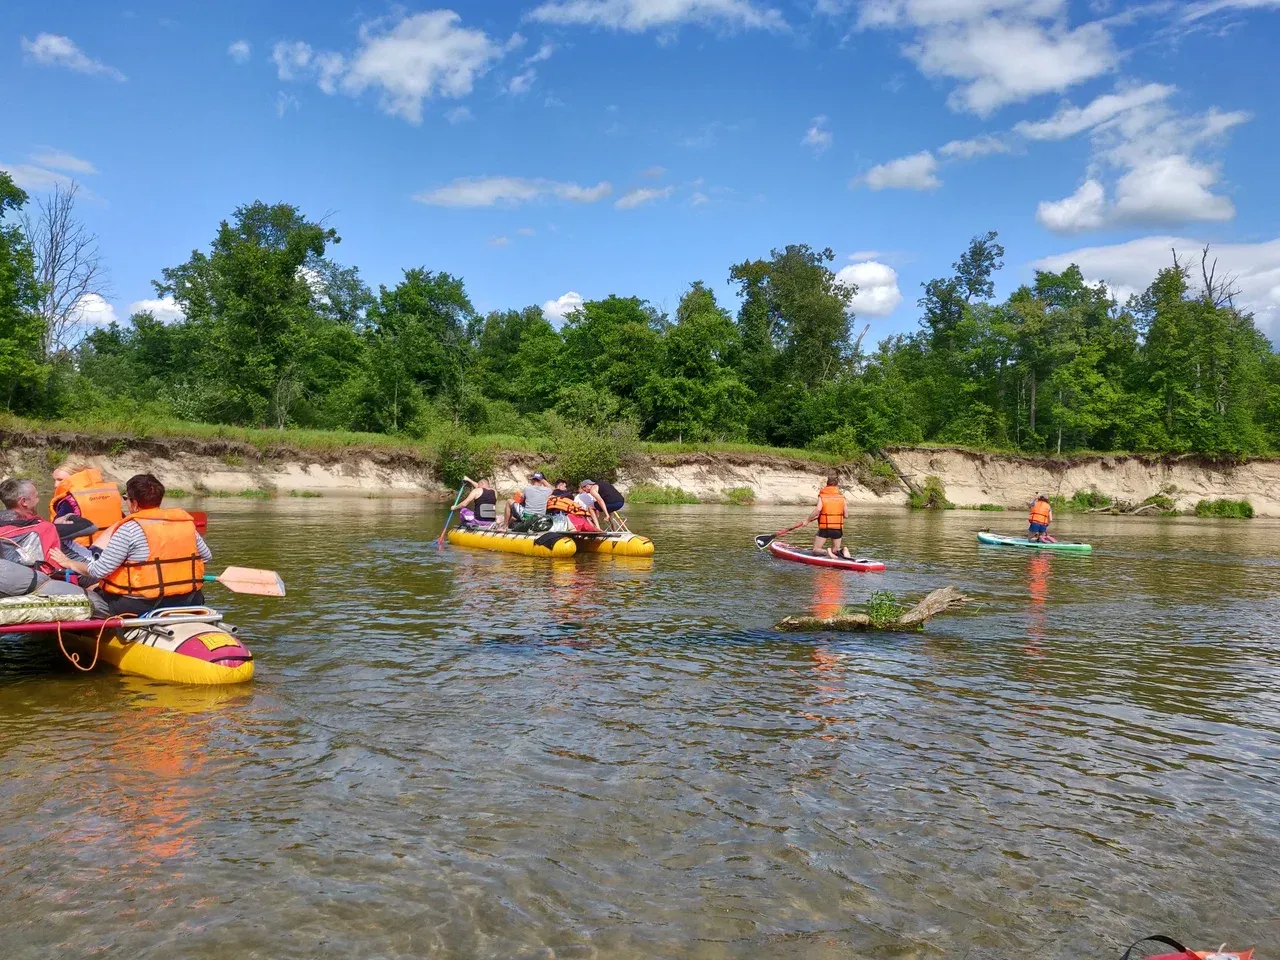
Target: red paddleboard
784,551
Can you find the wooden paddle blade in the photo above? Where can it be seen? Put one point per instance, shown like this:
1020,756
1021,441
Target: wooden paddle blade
262,583
202,520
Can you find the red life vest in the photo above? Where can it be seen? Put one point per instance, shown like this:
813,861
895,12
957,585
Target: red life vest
49,539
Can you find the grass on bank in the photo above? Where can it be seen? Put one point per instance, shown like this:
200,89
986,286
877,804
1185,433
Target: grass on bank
1226,509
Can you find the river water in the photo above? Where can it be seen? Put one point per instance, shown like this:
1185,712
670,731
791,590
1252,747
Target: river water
453,753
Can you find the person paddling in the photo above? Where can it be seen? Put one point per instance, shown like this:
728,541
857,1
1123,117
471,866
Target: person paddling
1038,522
481,505
830,513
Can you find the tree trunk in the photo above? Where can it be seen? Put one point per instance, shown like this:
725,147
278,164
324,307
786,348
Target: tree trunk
1033,401
938,601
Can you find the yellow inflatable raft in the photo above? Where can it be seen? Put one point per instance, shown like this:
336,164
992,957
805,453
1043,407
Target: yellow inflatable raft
522,543
624,544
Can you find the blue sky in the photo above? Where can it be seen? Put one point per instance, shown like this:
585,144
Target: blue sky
633,146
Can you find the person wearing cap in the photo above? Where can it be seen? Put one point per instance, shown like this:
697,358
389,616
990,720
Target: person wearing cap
529,502
591,502
562,502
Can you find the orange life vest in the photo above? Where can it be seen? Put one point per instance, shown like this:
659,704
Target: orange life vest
99,500
1041,512
173,566
564,503
832,508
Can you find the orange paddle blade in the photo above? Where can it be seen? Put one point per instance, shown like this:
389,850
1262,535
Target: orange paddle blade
263,583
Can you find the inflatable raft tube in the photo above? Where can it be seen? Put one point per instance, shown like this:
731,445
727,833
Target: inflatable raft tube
784,551
189,645
522,543
996,540
626,544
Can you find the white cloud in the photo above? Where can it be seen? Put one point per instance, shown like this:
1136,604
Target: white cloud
407,61
1129,267
1086,209
166,309
642,195
817,138
459,115
522,82
636,16
562,306
61,160
866,255
878,294
916,172
653,172
500,242
934,13
291,58
1002,61
525,231
90,310
53,50
980,146
1171,189
285,102
240,51
422,56
509,191
698,199
34,179
1070,120
1197,11
544,52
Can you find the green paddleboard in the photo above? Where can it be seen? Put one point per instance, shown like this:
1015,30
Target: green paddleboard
995,540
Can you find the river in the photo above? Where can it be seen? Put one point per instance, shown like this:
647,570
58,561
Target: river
453,753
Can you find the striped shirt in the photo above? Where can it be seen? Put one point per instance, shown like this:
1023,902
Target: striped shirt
129,545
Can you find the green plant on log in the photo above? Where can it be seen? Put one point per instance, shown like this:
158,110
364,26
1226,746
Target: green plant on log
1226,509
740,496
932,496
1160,501
883,608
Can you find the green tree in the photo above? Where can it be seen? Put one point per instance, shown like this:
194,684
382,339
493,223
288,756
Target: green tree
22,369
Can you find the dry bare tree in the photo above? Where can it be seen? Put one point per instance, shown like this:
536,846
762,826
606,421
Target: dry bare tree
68,265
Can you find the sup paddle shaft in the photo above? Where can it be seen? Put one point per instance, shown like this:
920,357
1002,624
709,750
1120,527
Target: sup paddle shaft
765,539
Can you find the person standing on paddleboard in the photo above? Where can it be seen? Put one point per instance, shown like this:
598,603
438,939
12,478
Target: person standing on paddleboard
1038,522
830,513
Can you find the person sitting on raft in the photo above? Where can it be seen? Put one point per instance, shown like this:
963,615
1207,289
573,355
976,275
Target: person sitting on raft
830,513
31,550
480,508
1038,522
610,499
592,503
81,492
529,502
562,502
153,558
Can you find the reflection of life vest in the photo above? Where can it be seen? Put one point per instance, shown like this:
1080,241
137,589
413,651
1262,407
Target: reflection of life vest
98,500
173,566
17,530
1041,512
831,514
563,503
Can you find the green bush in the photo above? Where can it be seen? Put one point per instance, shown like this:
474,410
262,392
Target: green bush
1228,509
582,453
650,493
933,496
305,494
1159,500
1088,500
841,442
993,507
458,455
256,494
740,496
883,608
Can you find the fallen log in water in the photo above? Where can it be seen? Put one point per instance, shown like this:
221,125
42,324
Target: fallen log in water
939,601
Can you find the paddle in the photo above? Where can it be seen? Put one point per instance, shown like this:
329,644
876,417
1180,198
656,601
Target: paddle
449,518
262,583
764,539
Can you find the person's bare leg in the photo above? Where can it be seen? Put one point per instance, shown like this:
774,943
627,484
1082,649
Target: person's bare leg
817,544
840,551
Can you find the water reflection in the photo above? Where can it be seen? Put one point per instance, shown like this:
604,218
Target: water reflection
460,754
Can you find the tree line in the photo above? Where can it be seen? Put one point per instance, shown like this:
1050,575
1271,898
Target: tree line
276,332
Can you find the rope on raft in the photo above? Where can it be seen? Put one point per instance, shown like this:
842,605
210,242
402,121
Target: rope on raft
97,644
935,603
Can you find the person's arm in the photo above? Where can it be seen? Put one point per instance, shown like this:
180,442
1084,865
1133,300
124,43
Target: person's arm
65,562
466,502
203,549
817,512
604,509
118,550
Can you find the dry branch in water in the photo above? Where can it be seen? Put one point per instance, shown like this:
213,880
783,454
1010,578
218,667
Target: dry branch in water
939,601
